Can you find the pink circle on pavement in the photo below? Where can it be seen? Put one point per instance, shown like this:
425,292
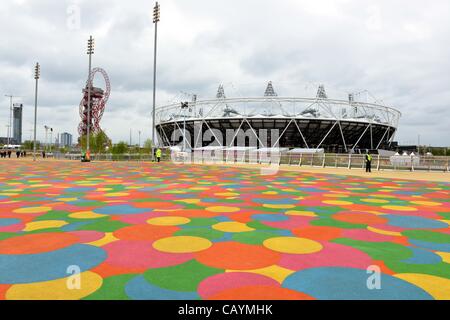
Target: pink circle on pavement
332,255
140,218
231,280
88,236
292,223
141,255
366,235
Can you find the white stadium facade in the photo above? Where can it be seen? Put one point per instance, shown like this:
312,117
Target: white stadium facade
338,126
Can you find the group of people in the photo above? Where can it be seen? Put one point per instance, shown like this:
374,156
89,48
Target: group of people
7,153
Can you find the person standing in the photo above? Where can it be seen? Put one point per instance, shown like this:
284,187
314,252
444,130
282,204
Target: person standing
368,162
158,154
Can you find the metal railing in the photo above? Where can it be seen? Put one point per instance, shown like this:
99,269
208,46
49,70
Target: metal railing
110,157
325,160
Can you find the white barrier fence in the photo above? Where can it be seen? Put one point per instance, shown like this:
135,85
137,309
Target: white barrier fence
270,156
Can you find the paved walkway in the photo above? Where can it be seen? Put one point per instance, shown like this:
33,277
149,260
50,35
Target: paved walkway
165,231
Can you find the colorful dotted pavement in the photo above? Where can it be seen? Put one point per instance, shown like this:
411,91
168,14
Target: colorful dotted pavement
165,231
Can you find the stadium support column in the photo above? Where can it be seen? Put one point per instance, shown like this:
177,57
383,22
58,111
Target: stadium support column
156,18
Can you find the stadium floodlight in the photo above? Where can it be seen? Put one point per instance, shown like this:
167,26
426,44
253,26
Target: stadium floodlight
156,18
90,52
37,75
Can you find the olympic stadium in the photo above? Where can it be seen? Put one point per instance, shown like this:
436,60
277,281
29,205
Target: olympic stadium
338,126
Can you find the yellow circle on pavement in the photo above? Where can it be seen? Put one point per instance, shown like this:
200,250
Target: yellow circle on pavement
70,288
337,202
375,200
232,226
300,213
292,245
427,203
278,206
45,224
399,208
168,221
33,210
86,215
223,209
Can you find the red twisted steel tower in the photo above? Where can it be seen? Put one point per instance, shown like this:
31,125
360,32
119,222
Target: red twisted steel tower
99,97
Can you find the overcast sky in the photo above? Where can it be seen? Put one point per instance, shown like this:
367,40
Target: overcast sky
397,49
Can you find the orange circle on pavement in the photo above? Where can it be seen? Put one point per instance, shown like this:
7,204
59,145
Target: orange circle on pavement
260,293
145,232
237,256
196,213
359,218
318,232
157,205
37,243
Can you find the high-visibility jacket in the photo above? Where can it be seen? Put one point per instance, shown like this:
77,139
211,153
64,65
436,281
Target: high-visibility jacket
158,153
369,157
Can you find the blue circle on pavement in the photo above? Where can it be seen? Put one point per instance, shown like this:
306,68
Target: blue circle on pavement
334,283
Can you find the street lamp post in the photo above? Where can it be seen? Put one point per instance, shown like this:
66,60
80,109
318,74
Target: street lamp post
139,146
46,135
37,73
156,18
139,141
90,52
184,106
51,139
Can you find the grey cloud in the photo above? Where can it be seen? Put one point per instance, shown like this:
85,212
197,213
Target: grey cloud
398,50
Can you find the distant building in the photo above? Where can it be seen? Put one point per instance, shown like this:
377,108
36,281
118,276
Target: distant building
17,122
4,141
66,139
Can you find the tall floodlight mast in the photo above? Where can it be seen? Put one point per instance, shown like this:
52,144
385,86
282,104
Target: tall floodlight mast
90,52
156,18
37,74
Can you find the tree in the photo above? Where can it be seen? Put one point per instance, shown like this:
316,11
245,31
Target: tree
97,142
101,142
148,144
28,145
120,148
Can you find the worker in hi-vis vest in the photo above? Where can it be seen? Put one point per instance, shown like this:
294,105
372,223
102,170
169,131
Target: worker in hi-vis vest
158,154
368,162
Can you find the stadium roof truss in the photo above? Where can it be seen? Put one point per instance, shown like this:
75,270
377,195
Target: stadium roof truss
311,120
